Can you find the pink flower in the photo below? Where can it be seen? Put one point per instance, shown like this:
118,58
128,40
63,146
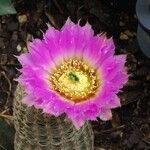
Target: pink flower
72,71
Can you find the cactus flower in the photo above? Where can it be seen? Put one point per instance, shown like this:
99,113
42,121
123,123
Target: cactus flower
72,71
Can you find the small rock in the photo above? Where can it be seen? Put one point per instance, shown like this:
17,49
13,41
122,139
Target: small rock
24,50
22,19
129,33
121,24
148,77
123,36
19,48
3,18
3,59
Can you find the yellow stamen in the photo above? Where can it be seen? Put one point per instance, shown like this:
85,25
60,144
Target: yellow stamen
75,80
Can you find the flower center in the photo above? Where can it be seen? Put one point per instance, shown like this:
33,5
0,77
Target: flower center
75,80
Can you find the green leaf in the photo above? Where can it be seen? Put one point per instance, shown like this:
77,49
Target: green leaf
7,133
6,7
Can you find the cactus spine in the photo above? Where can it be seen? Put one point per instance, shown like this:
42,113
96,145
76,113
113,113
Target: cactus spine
35,131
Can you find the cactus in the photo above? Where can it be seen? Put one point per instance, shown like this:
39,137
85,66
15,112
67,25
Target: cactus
36,131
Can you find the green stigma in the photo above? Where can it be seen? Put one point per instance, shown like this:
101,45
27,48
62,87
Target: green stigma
73,76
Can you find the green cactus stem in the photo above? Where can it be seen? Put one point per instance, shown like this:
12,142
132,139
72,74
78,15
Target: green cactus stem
36,131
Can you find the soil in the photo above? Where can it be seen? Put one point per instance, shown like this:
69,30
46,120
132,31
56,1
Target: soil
129,128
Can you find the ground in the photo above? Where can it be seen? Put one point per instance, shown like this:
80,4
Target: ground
130,127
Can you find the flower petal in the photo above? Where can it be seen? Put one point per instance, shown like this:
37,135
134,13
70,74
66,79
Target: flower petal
41,67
